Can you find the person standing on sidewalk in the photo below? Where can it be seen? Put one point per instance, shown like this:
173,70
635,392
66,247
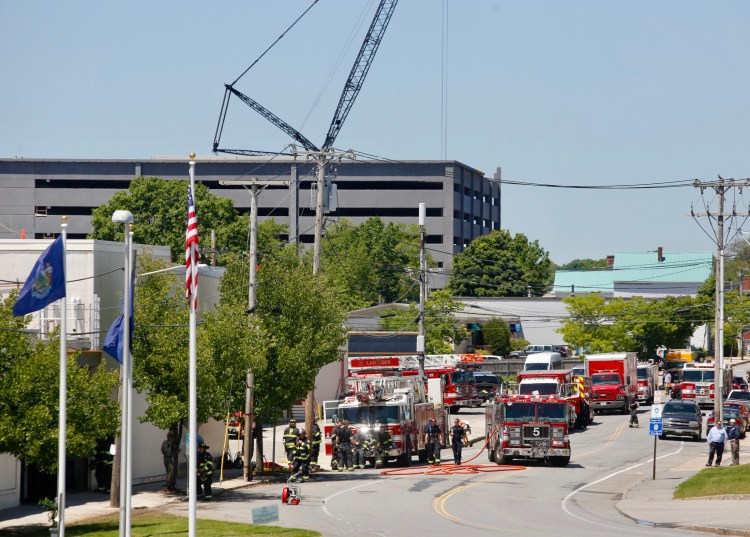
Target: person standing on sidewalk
733,435
716,438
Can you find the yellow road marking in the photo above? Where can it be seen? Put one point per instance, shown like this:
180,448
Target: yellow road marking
615,435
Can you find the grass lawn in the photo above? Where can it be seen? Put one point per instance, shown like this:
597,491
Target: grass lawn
157,523
716,481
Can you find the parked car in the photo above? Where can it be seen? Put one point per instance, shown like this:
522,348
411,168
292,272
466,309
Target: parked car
729,412
739,396
739,383
488,385
682,418
530,349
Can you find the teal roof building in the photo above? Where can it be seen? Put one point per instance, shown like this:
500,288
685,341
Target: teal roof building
654,274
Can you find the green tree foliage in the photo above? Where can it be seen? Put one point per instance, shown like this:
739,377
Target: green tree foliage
368,263
159,210
500,264
29,396
442,332
518,344
634,324
298,325
585,264
496,334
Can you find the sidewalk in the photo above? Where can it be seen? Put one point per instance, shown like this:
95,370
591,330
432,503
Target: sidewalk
650,502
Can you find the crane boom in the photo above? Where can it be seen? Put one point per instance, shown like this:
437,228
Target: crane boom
273,118
360,68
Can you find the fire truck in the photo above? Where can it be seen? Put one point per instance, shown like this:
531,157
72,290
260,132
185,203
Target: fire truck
564,384
698,383
613,379
398,402
456,371
528,427
648,382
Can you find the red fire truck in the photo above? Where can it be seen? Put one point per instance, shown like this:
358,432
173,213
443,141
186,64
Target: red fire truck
698,383
564,384
455,370
528,427
398,402
613,380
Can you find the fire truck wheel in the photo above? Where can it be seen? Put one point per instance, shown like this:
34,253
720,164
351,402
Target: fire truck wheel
490,454
422,456
405,458
499,457
559,461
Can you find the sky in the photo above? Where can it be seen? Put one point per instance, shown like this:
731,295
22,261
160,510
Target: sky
568,93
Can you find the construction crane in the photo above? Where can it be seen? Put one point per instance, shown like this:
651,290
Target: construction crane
352,88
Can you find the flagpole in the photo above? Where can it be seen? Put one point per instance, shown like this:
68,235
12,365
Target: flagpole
125,217
61,437
193,417
126,353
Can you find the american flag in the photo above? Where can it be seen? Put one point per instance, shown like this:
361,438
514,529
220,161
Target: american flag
192,254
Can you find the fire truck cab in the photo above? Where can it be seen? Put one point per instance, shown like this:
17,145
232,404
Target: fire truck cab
528,427
698,383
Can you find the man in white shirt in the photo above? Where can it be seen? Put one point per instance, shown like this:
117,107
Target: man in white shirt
716,438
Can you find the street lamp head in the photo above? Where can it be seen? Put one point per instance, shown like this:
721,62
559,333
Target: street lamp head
122,217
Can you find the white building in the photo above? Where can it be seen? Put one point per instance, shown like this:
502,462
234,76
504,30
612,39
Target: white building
95,281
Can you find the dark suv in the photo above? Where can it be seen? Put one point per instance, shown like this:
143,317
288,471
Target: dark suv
682,418
488,385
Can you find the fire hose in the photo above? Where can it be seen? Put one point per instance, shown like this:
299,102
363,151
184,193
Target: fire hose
456,469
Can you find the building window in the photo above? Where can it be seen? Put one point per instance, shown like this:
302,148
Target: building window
467,191
434,239
457,188
467,217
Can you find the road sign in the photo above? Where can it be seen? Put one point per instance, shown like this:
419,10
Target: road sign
657,397
655,411
655,426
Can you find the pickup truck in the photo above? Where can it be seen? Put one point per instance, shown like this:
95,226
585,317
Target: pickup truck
531,349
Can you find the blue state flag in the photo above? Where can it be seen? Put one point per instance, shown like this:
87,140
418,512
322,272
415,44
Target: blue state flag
113,340
46,283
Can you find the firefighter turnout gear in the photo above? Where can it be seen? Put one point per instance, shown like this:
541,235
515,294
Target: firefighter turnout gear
458,438
358,450
633,407
335,446
290,439
205,471
317,438
383,446
301,457
433,439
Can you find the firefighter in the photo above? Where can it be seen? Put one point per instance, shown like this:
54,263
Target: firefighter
433,439
371,446
458,438
633,407
383,445
358,449
344,441
103,465
301,457
290,440
205,471
335,445
317,438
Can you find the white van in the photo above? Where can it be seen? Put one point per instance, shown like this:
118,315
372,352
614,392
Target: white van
543,361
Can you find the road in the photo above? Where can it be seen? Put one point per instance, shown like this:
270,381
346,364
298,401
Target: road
578,500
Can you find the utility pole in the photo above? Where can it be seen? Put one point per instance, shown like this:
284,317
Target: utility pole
720,187
254,183
422,288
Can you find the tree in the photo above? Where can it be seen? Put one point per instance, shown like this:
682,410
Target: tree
368,263
499,264
299,321
585,264
496,334
29,396
442,332
635,324
159,210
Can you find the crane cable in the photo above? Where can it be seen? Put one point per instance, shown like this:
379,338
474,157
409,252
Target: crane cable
277,40
456,469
